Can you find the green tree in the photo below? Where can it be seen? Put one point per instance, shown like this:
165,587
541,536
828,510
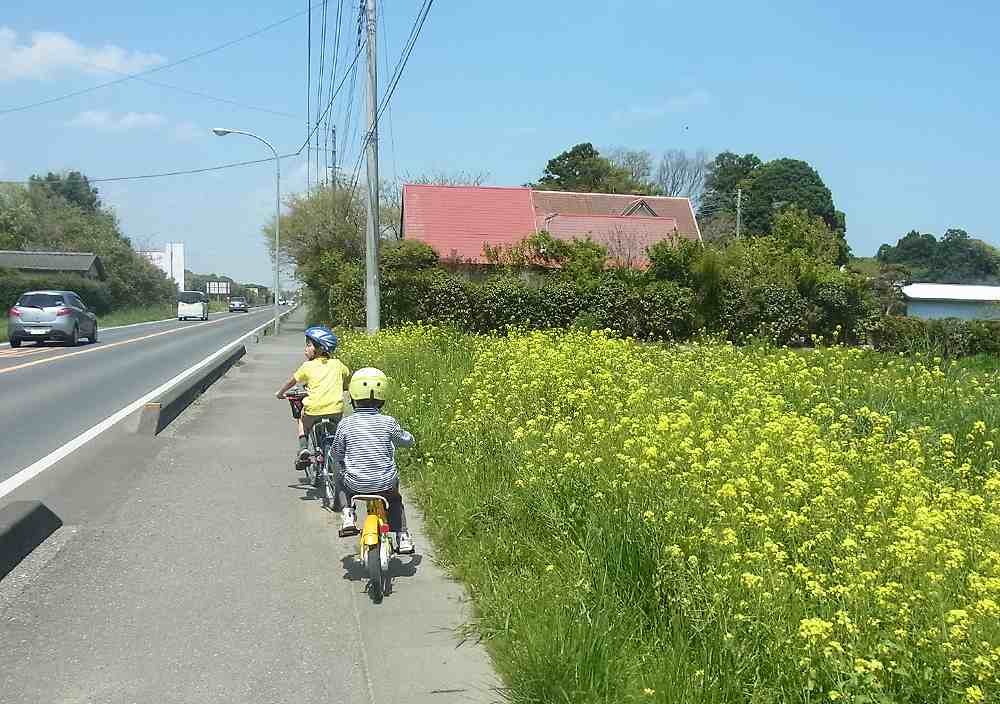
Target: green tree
724,174
18,224
798,230
783,183
74,187
955,258
322,233
59,213
583,169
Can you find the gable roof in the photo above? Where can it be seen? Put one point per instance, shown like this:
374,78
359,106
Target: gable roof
626,239
457,220
569,203
952,292
51,261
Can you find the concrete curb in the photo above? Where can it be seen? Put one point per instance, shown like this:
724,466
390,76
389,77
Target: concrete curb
158,414
24,525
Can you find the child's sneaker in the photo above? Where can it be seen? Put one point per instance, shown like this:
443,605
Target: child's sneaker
302,459
349,526
405,544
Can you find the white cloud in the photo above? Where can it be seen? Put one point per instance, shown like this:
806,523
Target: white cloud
109,122
51,53
671,106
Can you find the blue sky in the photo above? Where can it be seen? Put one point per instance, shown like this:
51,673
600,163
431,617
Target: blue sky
893,103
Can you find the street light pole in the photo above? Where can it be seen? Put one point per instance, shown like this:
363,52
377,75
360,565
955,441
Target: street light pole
222,132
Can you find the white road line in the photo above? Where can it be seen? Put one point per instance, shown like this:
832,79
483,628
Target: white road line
165,320
33,470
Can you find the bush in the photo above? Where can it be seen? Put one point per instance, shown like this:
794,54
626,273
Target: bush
407,255
96,294
430,295
950,338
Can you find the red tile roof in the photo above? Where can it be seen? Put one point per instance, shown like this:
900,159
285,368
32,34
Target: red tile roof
457,220
626,239
567,203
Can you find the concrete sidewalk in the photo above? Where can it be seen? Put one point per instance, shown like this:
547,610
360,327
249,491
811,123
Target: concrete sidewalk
218,578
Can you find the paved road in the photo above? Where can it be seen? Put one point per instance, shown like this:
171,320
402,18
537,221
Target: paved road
52,393
211,576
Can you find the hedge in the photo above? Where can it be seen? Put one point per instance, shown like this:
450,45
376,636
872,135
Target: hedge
950,337
96,294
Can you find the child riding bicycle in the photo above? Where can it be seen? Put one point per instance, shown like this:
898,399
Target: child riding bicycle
325,378
364,450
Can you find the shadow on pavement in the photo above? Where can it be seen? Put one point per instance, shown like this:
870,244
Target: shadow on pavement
354,571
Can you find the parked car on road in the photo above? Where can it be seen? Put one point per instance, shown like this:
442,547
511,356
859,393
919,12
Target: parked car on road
192,304
50,315
238,304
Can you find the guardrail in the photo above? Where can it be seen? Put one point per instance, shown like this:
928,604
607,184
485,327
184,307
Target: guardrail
24,525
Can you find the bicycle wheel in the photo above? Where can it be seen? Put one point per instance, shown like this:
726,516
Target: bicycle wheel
376,584
327,490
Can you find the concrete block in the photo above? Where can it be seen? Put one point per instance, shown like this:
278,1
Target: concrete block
158,414
24,525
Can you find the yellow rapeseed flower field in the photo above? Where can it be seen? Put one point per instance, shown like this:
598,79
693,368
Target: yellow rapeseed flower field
707,523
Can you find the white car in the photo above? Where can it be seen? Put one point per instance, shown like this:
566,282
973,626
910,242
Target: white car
192,304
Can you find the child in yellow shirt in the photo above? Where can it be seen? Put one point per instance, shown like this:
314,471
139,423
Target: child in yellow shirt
325,378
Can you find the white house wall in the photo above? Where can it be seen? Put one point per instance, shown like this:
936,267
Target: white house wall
964,310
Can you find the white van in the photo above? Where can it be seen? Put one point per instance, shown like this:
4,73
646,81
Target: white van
192,304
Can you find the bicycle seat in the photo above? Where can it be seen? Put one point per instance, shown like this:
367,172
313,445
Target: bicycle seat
372,497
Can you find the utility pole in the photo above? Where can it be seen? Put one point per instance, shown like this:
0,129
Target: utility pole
333,173
372,235
739,211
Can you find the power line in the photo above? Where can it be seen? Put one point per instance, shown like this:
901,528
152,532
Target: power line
319,80
309,65
330,102
385,61
333,79
131,76
197,94
184,172
347,136
220,166
404,58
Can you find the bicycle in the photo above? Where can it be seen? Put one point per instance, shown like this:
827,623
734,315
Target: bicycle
317,469
376,544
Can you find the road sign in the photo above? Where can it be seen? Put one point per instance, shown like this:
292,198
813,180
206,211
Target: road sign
218,287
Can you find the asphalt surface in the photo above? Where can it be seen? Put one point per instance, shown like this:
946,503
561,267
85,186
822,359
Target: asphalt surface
51,393
194,567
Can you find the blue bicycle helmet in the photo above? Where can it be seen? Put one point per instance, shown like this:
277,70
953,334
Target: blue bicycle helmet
323,338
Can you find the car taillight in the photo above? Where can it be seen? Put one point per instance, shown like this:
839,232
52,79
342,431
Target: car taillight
14,312
64,311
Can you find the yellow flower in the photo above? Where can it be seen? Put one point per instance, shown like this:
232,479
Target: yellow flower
648,692
974,695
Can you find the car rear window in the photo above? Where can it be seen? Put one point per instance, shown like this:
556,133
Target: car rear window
190,297
40,300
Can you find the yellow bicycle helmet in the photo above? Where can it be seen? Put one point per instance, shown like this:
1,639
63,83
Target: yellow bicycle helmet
369,384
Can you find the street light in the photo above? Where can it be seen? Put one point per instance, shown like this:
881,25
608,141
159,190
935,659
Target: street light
222,132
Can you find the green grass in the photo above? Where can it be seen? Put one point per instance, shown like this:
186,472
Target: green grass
782,507
128,316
